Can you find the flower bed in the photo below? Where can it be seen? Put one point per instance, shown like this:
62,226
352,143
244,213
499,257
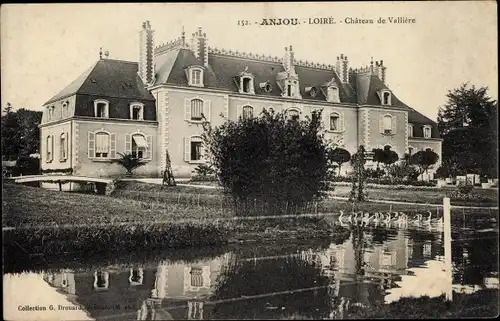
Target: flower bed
389,181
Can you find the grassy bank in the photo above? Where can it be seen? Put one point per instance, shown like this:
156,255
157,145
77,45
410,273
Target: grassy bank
480,304
53,223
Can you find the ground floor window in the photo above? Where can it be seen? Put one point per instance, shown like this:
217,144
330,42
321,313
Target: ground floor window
101,145
195,150
139,146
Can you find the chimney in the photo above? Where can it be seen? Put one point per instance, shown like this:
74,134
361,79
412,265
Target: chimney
342,68
379,70
146,54
289,60
199,45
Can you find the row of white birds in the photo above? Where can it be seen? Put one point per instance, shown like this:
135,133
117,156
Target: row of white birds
389,218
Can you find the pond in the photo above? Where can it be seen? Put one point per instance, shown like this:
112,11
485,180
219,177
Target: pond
318,279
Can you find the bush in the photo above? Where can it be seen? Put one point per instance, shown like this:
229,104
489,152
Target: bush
270,158
465,187
374,173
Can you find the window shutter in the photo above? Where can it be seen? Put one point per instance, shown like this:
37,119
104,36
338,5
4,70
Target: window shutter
187,109
149,151
208,109
91,142
142,113
67,146
341,122
187,150
128,144
381,123
394,123
239,111
112,146
52,148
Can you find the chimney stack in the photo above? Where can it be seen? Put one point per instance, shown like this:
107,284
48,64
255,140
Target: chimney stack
379,70
342,68
146,54
199,45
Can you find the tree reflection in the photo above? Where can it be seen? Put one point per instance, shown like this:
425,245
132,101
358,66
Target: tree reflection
269,277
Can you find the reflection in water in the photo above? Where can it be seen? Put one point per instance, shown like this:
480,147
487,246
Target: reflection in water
373,266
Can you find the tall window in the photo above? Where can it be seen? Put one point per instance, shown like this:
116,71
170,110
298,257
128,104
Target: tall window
50,113
50,147
334,121
333,94
196,109
410,130
101,108
102,145
289,90
139,146
410,150
387,124
386,98
247,112
427,132
196,277
101,280
196,148
293,114
247,85
63,147
196,77
64,110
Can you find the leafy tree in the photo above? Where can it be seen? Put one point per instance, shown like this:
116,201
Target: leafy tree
389,157
404,169
378,156
20,132
469,128
269,158
424,159
339,156
129,162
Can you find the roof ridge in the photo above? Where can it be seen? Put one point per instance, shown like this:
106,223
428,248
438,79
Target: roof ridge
120,60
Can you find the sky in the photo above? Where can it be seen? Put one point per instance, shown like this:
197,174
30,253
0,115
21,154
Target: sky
47,46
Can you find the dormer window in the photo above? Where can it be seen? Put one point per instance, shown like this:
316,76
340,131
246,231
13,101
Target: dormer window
101,108
410,130
266,86
427,131
385,97
64,110
333,94
246,83
101,280
50,113
137,111
195,76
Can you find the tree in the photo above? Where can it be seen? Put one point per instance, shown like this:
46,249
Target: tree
339,156
129,162
269,158
378,156
424,159
389,157
358,161
20,132
469,128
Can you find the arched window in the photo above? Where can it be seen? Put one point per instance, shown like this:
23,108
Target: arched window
63,147
101,280
50,148
410,130
195,76
293,114
428,149
139,146
137,111
387,124
196,109
334,121
427,132
64,110
102,145
247,112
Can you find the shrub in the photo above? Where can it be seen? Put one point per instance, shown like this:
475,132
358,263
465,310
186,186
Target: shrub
129,162
270,158
374,173
465,187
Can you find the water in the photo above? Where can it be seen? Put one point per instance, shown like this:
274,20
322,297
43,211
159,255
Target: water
281,281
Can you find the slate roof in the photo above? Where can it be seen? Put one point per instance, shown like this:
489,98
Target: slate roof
108,78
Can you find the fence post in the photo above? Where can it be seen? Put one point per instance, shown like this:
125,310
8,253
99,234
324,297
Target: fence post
447,248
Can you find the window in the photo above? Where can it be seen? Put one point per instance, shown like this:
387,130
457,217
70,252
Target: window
136,276
64,110
196,77
410,130
428,149
334,122
427,131
102,145
196,109
333,94
64,279
139,146
63,147
137,111
101,108
289,90
247,85
387,124
50,148
386,97
293,114
247,112
196,150
196,277
50,113
410,150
